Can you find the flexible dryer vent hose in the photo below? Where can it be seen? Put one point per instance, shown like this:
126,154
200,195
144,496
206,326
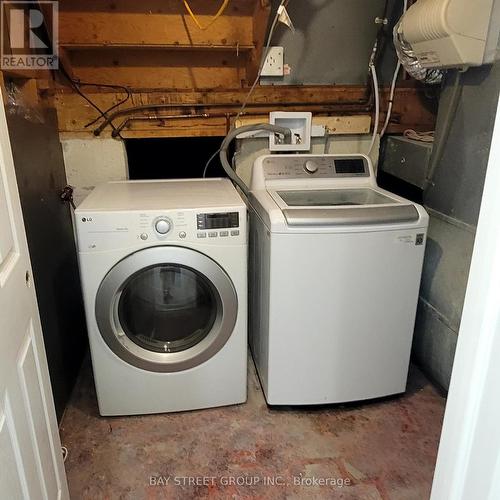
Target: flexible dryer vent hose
233,133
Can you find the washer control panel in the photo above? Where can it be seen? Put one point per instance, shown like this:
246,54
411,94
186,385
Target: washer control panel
325,167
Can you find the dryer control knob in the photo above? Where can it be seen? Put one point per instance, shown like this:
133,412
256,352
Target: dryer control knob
162,226
311,167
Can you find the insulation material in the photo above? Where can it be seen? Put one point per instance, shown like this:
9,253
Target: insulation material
89,162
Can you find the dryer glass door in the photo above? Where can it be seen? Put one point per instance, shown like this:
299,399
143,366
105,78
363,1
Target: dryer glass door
166,308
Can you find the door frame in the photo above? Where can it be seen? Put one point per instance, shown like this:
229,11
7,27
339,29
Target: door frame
468,464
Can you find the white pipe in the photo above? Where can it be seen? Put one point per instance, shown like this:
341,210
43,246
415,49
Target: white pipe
377,105
391,100
393,86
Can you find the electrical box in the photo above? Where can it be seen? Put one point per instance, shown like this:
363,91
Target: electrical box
407,159
453,33
301,126
274,63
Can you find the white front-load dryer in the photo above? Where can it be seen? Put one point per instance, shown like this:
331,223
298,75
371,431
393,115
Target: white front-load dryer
164,275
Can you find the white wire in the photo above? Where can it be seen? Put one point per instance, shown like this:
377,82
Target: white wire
419,136
208,163
257,78
391,100
393,87
264,57
377,105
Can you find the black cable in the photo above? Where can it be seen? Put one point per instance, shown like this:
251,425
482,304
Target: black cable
381,35
74,85
111,108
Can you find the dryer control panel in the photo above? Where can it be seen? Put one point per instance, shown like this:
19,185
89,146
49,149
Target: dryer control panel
218,220
99,231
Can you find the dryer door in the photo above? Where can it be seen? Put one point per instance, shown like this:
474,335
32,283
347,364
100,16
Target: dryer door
166,309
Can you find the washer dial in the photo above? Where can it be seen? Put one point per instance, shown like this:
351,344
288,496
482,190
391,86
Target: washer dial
311,167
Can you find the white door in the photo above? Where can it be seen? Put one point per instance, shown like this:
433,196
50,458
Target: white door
31,465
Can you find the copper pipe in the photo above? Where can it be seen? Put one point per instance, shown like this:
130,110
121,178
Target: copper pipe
357,105
117,130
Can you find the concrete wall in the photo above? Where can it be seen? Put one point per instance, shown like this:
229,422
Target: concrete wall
89,162
453,201
333,41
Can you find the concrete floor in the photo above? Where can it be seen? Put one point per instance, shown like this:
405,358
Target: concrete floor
381,450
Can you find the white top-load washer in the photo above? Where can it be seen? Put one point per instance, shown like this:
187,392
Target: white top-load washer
164,274
335,271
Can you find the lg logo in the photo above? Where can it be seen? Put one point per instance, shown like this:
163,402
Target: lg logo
87,219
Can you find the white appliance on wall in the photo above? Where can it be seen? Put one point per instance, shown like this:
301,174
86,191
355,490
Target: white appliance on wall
335,271
164,274
453,33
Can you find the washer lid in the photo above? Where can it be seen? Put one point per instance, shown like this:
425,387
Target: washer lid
336,207
351,216
334,197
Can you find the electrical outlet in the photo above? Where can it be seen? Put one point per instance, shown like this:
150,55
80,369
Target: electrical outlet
273,65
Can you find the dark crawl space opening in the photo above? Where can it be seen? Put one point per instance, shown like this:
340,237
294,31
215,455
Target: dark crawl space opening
400,187
173,158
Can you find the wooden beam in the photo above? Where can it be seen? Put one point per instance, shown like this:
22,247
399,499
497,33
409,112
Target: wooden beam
154,68
152,23
275,94
412,108
260,24
203,9
26,74
334,125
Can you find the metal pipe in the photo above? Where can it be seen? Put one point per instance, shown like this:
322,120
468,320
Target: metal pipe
361,105
117,130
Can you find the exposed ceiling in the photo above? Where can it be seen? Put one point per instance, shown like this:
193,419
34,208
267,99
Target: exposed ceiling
157,44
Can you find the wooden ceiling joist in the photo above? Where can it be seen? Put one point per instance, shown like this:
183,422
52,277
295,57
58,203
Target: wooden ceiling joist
154,69
114,39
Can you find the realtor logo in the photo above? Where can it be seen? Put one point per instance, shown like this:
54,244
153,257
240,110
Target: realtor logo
29,35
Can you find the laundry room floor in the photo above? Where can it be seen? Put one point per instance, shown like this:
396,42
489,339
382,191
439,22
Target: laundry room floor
380,450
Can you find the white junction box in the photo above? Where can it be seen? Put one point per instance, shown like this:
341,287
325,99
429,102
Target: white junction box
274,63
301,126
